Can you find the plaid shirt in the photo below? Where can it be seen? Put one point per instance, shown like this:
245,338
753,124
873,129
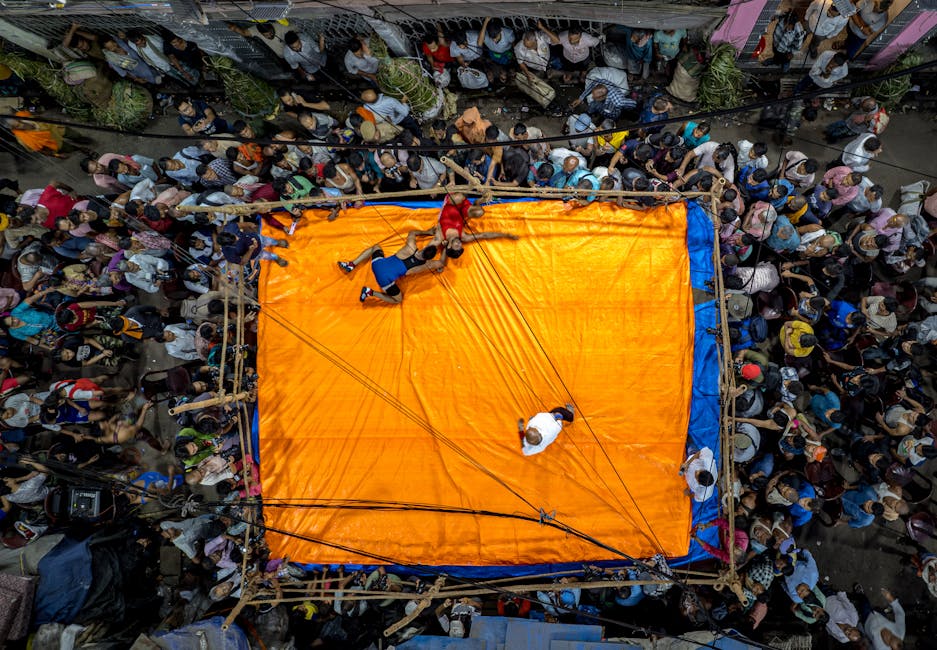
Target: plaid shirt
615,101
788,41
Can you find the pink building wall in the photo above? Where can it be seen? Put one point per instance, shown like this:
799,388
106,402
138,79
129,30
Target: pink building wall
916,30
739,23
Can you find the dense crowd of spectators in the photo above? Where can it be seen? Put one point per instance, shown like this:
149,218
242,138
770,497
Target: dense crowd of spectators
831,307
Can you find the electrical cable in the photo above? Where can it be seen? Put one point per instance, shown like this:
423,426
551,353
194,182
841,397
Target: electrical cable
704,115
451,292
433,572
833,147
556,371
312,343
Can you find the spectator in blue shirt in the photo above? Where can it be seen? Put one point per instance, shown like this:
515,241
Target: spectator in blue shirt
656,109
820,201
845,315
753,183
639,50
826,406
860,507
695,134
780,190
843,321
784,236
568,176
802,510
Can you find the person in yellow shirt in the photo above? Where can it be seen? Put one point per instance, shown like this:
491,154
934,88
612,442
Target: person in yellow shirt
797,338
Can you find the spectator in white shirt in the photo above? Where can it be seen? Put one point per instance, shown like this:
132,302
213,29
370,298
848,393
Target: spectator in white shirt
844,619
149,47
799,169
270,34
391,110
824,21
858,153
870,18
303,55
763,276
830,67
886,634
522,132
183,165
711,155
533,53
869,198
359,61
145,271
752,153
179,340
464,48
699,470
426,172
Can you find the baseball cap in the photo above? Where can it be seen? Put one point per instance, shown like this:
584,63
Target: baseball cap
368,131
738,305
583,123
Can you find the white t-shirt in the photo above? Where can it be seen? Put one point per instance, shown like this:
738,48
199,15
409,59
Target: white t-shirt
470,52
874,19
558,154
799,180
579,51
818,72
428,174
536,58
761,277
855,156
704,461
745,147
549,428
820,22
704,153
355,64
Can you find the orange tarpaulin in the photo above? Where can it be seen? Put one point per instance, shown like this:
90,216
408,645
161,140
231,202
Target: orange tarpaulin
419,402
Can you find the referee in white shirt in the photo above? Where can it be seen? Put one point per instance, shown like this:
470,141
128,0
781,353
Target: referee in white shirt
542,429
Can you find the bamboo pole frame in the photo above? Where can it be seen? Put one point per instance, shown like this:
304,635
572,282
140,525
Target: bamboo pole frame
252,593
510,192
363,595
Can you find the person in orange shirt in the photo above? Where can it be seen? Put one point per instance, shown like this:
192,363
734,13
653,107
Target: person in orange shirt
40,137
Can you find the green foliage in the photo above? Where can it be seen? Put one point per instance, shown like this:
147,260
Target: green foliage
129,108
246,94
49,78
890,92
401,78
722,84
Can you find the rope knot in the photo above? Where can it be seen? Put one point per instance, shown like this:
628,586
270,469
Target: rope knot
545,517
190,506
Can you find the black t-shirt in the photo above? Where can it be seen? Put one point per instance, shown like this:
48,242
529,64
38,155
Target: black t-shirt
190,55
